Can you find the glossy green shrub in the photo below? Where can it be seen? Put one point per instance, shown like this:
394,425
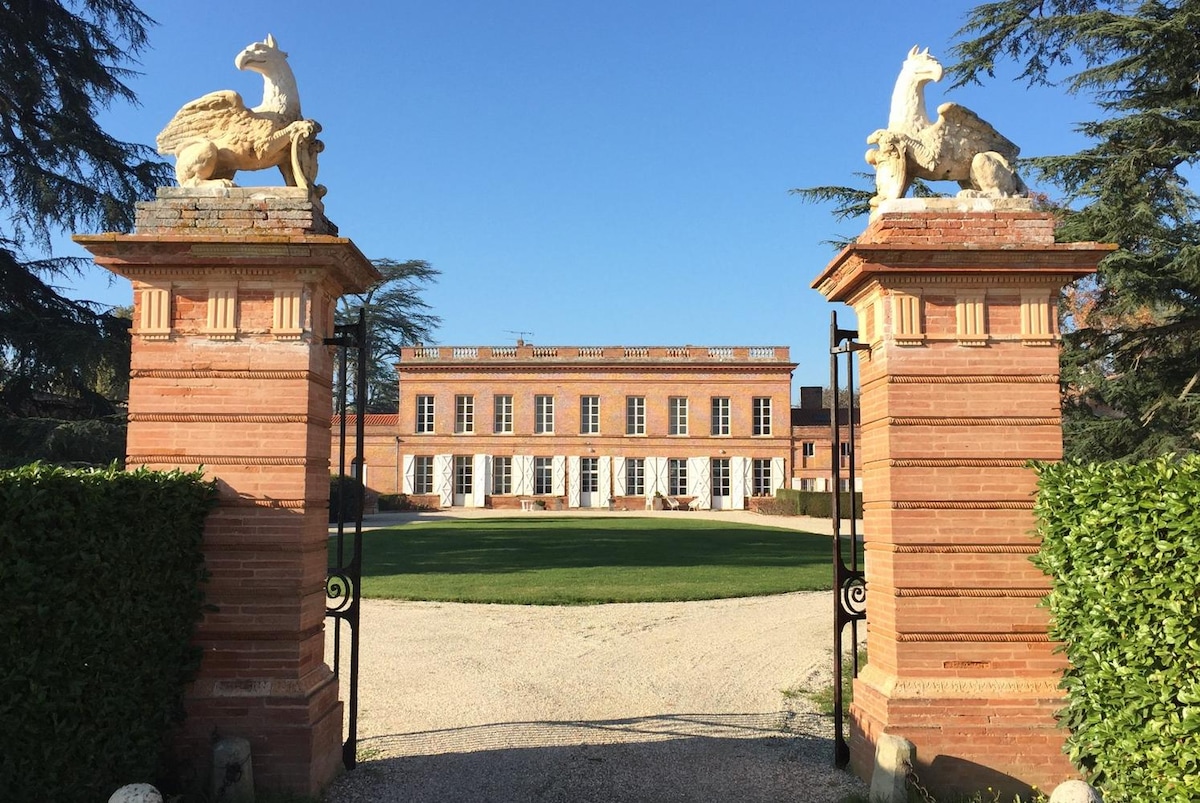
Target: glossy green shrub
817,503
1122,544
100,576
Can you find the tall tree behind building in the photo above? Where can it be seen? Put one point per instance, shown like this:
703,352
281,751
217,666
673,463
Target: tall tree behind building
62,63
396,316
1131,361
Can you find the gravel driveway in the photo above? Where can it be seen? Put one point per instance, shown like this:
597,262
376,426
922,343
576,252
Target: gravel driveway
630,702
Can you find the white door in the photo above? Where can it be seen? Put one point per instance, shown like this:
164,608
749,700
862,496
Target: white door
464,485
722,484
589,482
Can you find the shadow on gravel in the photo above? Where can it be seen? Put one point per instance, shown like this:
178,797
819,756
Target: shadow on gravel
741,758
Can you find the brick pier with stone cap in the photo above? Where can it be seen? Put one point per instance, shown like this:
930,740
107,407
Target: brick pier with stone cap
957,299
234,292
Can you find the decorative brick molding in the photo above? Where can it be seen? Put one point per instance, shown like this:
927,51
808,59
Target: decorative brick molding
954,404
234,292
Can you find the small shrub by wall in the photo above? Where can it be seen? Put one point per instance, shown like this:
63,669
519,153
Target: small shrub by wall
100,577
814,503
1122,544
345,494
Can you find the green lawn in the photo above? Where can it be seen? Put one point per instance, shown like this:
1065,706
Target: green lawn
561,561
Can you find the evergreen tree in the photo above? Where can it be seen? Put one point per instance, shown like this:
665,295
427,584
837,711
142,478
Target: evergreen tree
396,316
60,64
1131,362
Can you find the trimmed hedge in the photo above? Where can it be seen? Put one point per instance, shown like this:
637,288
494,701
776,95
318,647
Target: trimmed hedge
345,494
1122,544
817,503
100,577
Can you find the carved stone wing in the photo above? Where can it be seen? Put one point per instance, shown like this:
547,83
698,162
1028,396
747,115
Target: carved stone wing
205,116
963,128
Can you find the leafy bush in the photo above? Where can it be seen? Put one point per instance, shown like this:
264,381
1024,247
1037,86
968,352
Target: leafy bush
99,596
816,503
345,494
400,502
1122,544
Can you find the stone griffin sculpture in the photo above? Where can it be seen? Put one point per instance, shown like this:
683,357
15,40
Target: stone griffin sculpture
215,136
958,147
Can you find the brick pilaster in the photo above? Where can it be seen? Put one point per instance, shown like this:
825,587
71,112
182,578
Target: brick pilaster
958,301
234,291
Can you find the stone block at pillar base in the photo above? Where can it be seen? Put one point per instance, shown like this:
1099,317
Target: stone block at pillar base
970,734
295,734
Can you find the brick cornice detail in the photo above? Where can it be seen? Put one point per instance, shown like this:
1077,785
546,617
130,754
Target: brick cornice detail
969,379
975,504
206,373
980,421
958,462
959,687
958,549
999,593
221,460
1017,638
230,418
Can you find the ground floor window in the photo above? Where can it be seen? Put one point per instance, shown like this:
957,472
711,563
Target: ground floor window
589,475
677,476
760,477
464,473
423,475
808,484
543,475
635,476
501,476
721,477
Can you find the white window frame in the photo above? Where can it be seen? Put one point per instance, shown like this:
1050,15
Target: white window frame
502,414
589,475
760,477
635,476
423,474
543,476
502,476
808,449
425,415
464,470
589,415
720,416
677,476
760,415
543,414
464,414
635,415
677,415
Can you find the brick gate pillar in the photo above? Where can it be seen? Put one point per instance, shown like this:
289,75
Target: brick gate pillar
957,299
234,290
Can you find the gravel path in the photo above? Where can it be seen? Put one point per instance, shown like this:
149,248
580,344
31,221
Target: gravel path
631,702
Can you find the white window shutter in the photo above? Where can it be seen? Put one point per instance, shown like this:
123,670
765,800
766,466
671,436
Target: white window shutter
573,481
558,465
699,480
659,476
483,479
443,478
409,474
618,476
606,485
778,467
738,467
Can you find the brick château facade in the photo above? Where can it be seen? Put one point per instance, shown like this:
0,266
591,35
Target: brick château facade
578,426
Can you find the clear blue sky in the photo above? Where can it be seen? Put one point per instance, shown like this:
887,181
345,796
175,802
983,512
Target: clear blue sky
610,173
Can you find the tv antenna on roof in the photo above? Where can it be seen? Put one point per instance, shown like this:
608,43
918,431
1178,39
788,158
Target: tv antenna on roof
520,333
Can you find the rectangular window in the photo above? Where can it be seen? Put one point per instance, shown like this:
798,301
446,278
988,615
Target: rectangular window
502,423
424,415
808,449
844,484
760,477
463,475
589,475
677,415
761,418
721,478
677,476
543,475
635,476
464,414
501,476
844,451
635,415
423,475
808,484
720,415
543,415
589,415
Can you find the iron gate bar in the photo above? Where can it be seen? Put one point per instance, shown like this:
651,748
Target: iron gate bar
343,585
849,584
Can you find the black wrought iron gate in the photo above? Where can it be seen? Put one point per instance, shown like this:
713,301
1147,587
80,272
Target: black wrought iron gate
343,583
849,584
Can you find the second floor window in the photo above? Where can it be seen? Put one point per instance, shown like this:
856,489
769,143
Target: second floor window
424,414
761,416
464,414
677,415
543,415
589,415
635,415
808,450
720,415
503,422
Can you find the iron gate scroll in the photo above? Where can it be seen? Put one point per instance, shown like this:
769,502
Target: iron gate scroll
849,582
343,585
